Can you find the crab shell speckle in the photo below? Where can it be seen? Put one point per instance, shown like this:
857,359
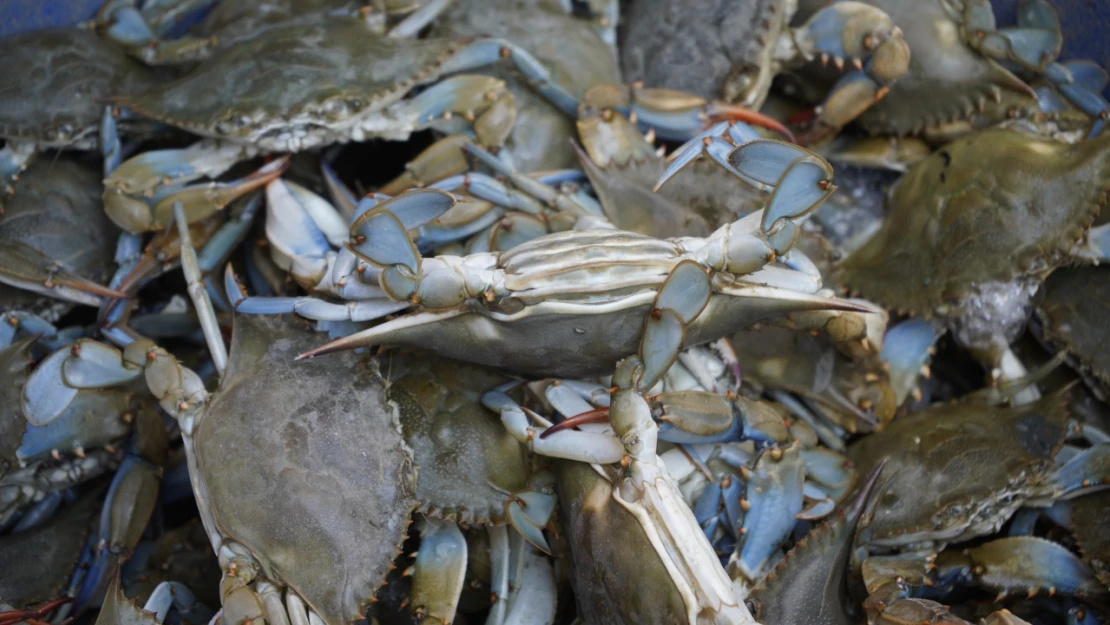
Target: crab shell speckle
304,464
991,207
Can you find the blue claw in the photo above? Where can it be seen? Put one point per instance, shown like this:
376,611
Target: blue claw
1087,471
775,494
805,185
1082,82
906,350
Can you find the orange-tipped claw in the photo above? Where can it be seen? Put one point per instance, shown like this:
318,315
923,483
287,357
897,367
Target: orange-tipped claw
734,113
18,616
88,286
600,415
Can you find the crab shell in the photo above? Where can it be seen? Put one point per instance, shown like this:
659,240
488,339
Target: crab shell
469,462
56,209
568,46
298,86
624,168
1072,308
694,46
959,470
606,545
994,206
56,83
1091,527
946,81
15,365
304,464
578,304
47,555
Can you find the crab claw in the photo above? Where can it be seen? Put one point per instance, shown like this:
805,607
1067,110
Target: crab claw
681,298
857,33
1033,45
24,267
140,194
673,115
381,237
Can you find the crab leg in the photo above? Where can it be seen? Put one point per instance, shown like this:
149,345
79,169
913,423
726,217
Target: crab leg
439,570
15,156
1033,45
24,267
201,303
140,193
1082,83
132,28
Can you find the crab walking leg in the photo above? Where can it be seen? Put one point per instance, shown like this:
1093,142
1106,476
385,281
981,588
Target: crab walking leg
139,194
199,294
531,580
1082,83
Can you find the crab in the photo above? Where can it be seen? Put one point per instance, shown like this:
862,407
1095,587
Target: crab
55,548
255,556
739,48
1070,301
986,218
54,94
577,57
51,457
141,28
54,238
480,294
1017,457
960,58
745,471
471,470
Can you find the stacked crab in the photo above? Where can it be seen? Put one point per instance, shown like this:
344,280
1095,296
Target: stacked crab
512,340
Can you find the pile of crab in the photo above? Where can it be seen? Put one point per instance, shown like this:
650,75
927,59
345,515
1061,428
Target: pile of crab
535,312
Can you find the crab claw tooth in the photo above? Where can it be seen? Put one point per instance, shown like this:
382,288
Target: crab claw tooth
599,415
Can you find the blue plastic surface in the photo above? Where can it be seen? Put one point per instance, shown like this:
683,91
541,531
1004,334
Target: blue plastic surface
1086,23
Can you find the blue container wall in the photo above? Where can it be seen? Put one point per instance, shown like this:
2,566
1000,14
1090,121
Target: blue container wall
1086,23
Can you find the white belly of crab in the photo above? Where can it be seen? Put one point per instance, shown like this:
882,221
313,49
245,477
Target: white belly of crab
588,266
679,542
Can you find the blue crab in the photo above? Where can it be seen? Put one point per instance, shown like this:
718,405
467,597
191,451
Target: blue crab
462,301
54,238
736,49
956,212
961,61
576,55
144,29
55,91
